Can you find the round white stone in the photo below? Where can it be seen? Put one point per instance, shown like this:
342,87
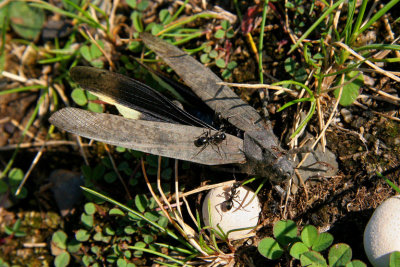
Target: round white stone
382,234
243,214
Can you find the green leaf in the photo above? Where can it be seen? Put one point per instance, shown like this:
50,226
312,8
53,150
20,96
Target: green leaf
139,244
97,63
207,49
90,208
148,239
312,259
323,241
22,194
358,263
74,246
225,24
15,176
98,171
26,21
141,202
3,187
86,171
231,65
59,238
152,215
121,263
79,97
136,18
98,236
204,58
87,220
339,255
269,248
230,33
116,211
220,63
297,249
110,177
290,65
62,259
87,260
226,74
82,235
285,232
219,34
166,174
135,46
120,149
163,222
109,231
95,52
394,259
309,235
351,90
164,16
85,52
129,230
127,254
213,54
132,3
95,107
142,5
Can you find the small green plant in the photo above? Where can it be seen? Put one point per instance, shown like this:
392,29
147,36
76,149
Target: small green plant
110,232
221,58
15,177
392,185
14,230
335,59
394,259
92,54
306,247
26,20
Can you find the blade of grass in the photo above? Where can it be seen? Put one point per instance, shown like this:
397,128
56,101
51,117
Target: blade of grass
261,41
47,6
295,83
186,20
126,208
159,254
375,17
177,13
308,32
22,89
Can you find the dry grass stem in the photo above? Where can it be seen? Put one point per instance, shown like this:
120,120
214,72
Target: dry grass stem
114,166
369,63
28,173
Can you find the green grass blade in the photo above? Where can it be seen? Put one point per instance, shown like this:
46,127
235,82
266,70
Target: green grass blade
306,119
377,16
54,9
158,254
296,83
126,208
177,13
261,41
308,32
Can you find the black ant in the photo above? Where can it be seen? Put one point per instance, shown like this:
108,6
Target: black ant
206,139
228,203
209,139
